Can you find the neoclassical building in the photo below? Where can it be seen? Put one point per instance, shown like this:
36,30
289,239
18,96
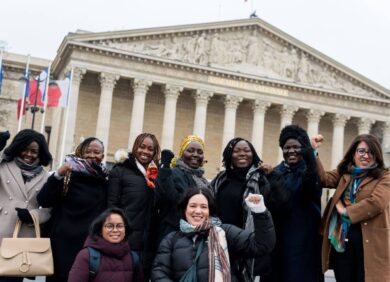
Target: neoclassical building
218,80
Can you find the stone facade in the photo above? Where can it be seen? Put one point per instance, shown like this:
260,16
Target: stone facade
219,80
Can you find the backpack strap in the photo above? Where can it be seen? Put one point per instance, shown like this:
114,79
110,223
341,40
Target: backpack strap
136,263
94,262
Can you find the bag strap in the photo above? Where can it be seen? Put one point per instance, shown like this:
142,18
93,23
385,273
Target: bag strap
94,262
190,274
136,263
36,226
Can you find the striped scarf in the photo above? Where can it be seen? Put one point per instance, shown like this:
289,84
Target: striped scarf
219,265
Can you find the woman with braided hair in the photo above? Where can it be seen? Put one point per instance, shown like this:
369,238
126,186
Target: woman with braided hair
175,177
77,194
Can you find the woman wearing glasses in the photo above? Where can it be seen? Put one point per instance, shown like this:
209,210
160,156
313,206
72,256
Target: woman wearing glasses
108,236
356,242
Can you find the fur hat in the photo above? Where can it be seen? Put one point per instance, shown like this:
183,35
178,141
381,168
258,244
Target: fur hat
294,132
121,156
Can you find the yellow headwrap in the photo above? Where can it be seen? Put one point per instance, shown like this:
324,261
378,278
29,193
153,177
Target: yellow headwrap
184,144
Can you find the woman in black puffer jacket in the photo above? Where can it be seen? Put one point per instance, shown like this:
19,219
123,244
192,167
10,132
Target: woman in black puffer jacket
131,188
199,251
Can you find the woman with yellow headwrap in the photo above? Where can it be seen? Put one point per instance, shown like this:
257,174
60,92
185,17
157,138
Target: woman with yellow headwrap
175,177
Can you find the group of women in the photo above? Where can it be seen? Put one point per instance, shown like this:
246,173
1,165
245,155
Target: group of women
166,222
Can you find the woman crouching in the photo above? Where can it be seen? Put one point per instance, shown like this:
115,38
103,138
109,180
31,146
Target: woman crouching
199,251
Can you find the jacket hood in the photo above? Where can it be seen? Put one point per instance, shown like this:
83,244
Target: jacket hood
118,250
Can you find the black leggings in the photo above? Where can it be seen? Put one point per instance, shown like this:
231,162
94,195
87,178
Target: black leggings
349,265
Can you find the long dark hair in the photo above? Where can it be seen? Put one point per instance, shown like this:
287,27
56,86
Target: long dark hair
22,140
376,150
95,228
138,141
192,191
228,152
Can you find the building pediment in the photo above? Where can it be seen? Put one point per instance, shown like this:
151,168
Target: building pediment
250,47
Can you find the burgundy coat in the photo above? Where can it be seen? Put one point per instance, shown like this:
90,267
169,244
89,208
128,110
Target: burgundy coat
115,263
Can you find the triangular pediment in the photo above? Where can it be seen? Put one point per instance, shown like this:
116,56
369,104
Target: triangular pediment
250,47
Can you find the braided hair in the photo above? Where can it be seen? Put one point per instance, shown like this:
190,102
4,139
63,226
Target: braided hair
228,152
138,141
24,138
83,146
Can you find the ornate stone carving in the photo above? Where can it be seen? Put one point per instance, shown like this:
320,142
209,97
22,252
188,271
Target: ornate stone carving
364,125
78,74
314,116
202,96
108,80
141,86
260,106
287,111
339,120
172,91
232,102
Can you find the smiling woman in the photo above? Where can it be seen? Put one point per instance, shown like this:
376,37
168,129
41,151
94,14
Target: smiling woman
172,182
131,188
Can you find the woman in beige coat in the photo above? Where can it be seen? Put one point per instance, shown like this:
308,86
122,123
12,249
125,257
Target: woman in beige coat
21,177
356,234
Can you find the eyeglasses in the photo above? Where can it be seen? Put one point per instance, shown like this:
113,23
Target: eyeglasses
110,227
294,148
361,152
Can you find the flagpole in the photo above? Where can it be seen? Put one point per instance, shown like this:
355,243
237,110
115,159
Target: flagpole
66,118
46,98
1,67
26,76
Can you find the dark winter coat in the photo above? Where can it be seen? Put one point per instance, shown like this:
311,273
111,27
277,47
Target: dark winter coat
127,189
176,253
171,185
116,263
72,215
297,252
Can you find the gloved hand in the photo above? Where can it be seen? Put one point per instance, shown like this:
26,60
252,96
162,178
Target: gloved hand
24,215
307,153
255,203
166,158
4,136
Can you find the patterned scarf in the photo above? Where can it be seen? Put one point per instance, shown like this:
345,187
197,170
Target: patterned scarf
86,166
196,173
150,173
219,265
339,225
29,171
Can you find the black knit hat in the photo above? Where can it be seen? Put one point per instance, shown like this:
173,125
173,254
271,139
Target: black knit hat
294,132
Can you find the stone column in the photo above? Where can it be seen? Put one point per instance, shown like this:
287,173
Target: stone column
259,109
287,113
202,98
364,125
313,121
171,92
386,143
78,74
107,83
339,121
140,88
231,104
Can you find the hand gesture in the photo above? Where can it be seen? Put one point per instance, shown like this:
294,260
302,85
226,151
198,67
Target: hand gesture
317,141
266,168
255,203
166,158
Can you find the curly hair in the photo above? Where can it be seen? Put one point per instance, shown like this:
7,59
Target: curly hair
228,152
24,138
294,132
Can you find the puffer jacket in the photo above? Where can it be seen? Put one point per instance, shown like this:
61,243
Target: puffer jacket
176,251
127,189
116,263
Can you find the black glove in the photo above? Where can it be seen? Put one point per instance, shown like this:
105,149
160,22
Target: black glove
166,158
24,215
4,136
307,153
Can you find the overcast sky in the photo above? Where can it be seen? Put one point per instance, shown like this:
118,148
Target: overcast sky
354,32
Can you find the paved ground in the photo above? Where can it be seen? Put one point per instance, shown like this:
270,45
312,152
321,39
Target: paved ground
329,277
